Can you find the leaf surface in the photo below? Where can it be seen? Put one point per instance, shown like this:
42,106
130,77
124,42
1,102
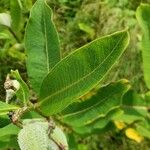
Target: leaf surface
9,130
41,43
135,107
106,99
5,108
80,71
143,17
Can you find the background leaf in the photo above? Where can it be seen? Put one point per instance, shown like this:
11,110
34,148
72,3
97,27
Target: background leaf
41,43
16,14
5,108
143,17
79,72
134,106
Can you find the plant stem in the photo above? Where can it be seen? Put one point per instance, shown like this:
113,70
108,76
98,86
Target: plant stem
14,35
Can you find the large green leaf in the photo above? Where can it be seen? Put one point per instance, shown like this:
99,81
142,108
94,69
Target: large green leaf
41,43
107,98
5,108
143,17
23,92
79,72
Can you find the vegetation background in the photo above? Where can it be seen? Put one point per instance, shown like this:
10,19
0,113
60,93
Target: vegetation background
79,22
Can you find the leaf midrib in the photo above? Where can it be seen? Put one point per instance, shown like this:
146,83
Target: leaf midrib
46,45
65,88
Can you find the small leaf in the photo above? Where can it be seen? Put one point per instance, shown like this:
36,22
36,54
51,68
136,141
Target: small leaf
41,43
16,14
5,108
79,72
23,92
59,137
5,19
87,29
143,17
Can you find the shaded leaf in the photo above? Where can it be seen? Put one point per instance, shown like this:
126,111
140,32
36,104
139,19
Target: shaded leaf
79,72
16,14
41,43
4,120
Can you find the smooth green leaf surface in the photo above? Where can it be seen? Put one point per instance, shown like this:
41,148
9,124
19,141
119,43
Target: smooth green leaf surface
4,120
80,71
41,43
9,130
23,92
5,108
107,98
143,17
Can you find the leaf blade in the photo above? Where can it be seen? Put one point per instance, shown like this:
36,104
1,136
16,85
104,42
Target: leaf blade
41,42
79,72
107,98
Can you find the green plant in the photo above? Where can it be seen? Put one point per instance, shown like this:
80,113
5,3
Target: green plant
64,94
59,83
